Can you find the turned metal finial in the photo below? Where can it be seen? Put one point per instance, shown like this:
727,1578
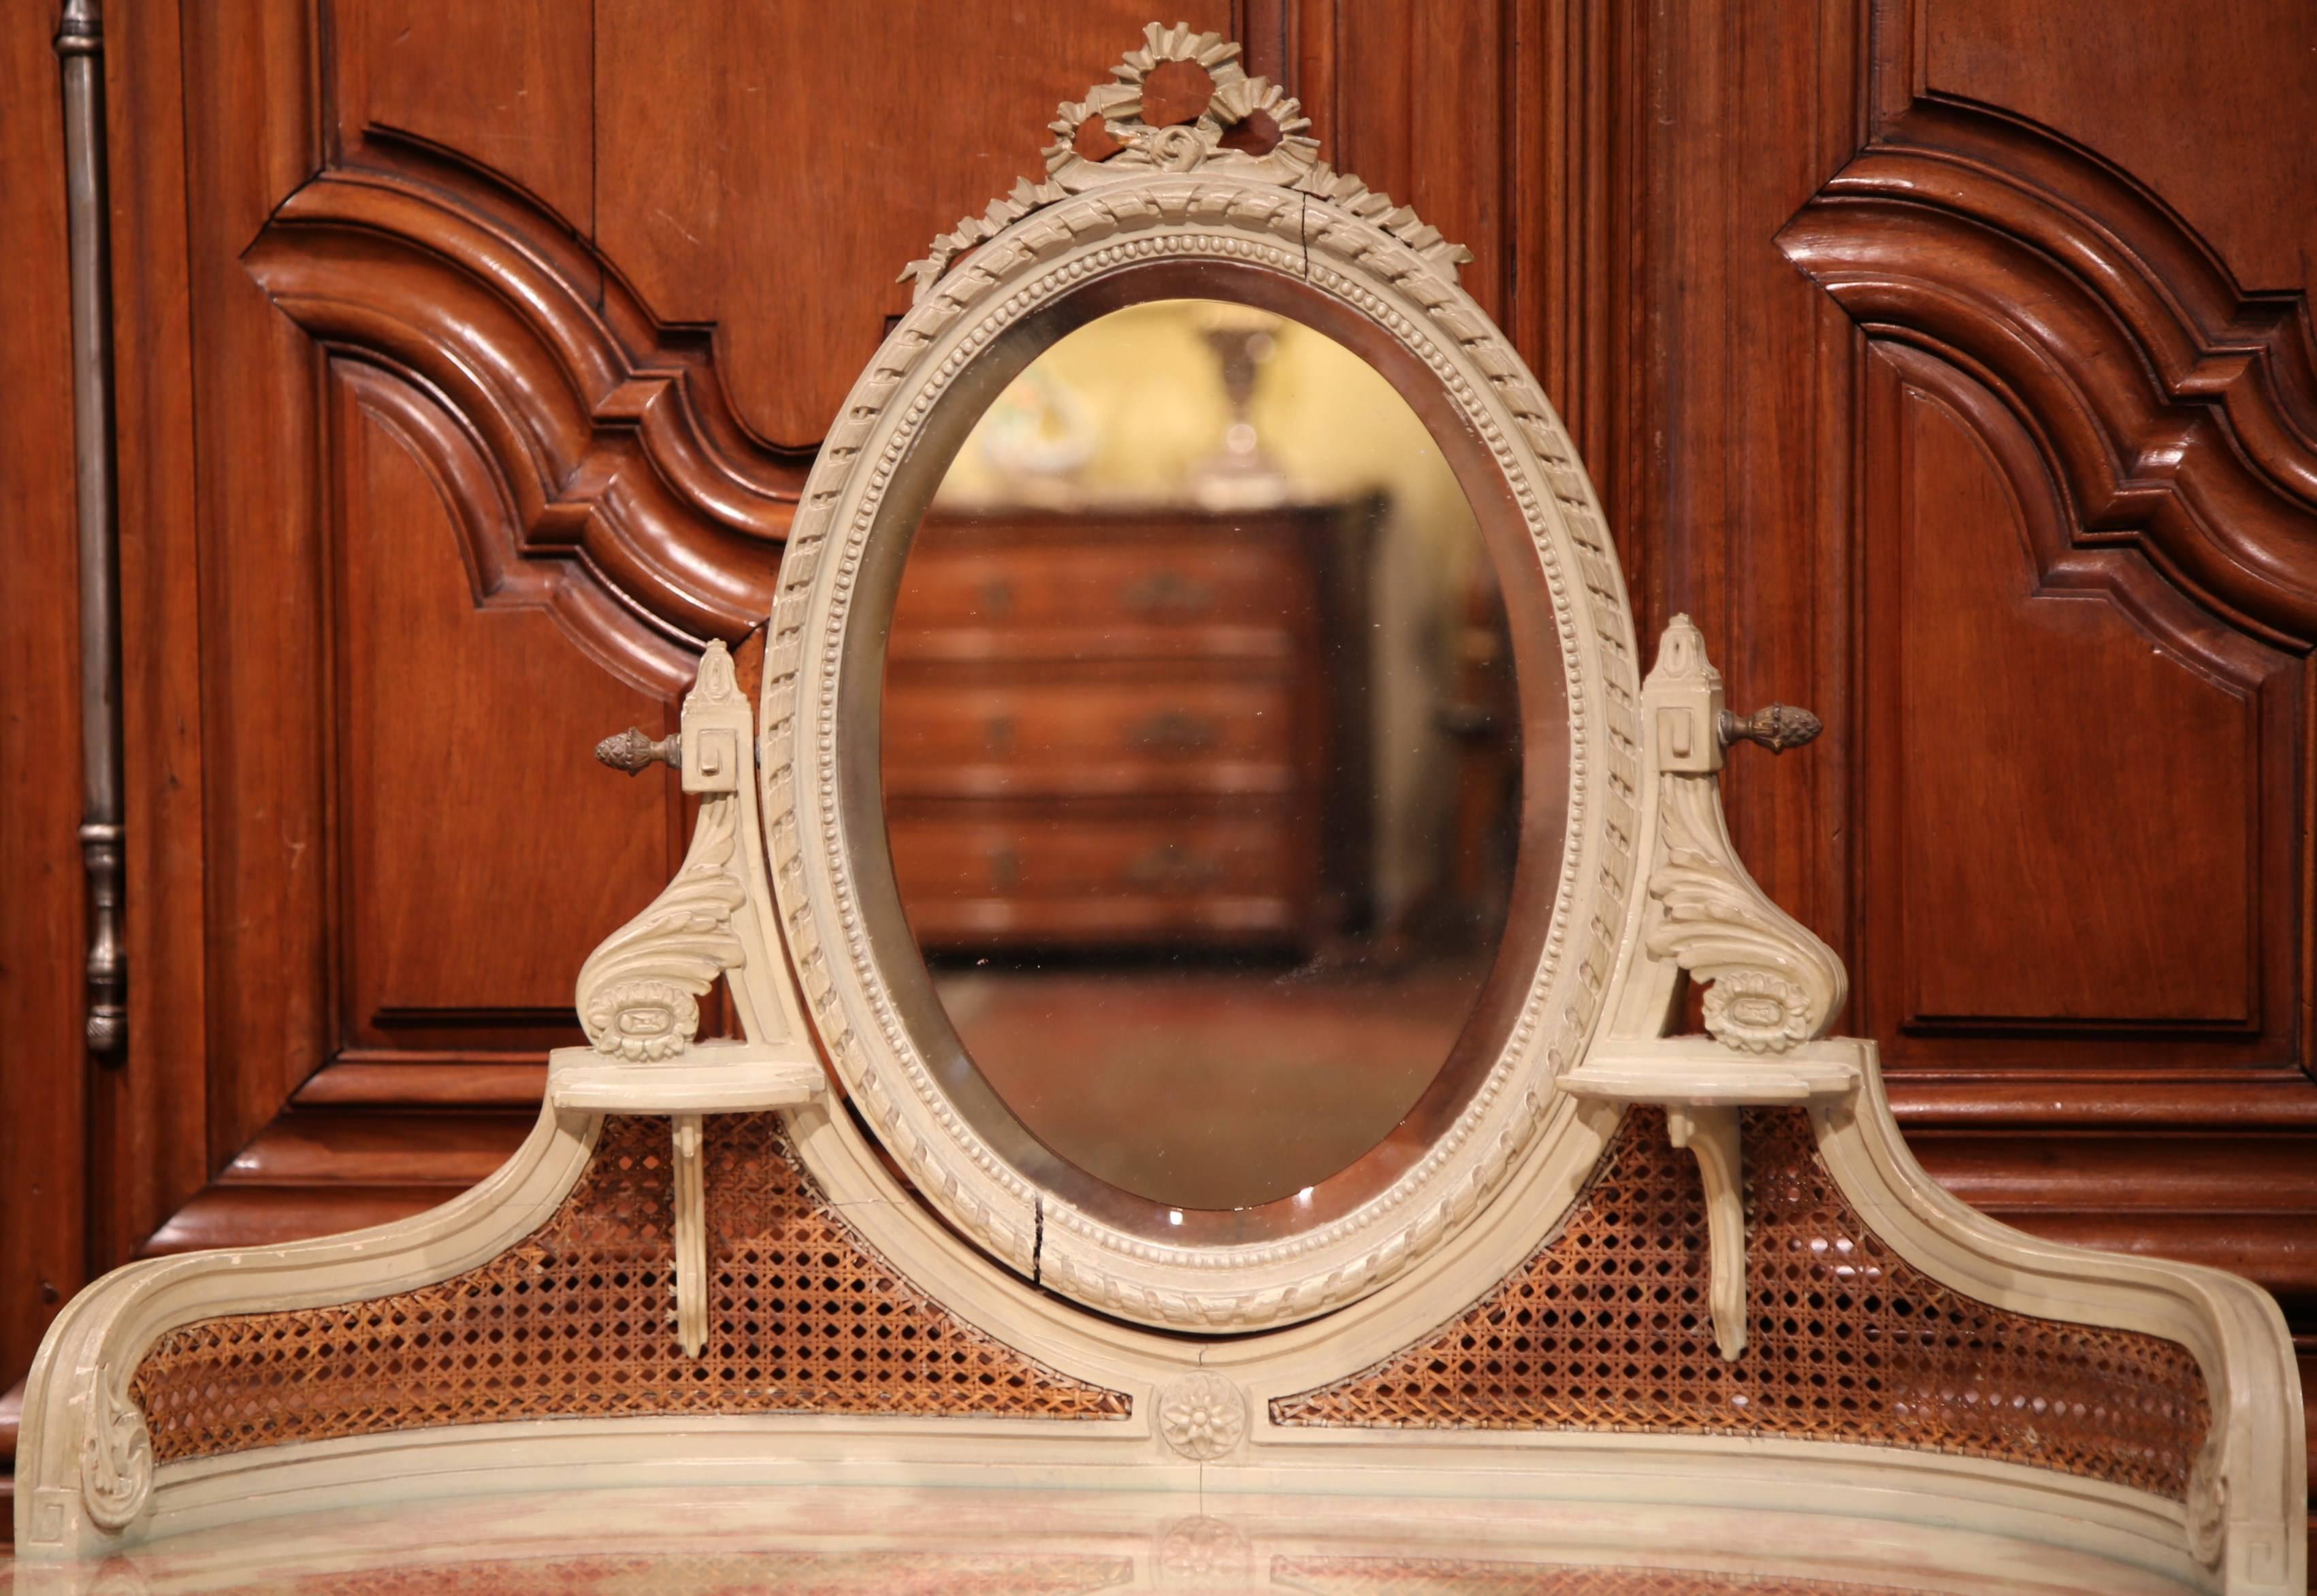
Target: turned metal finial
632,750
1776,727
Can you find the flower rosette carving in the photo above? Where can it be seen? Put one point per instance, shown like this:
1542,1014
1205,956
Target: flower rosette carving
643,1022
1201,1553
1202,1416
1182,104
1758,1012
116,1458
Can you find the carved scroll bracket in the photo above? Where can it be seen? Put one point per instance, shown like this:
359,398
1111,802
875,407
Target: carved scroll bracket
1772,988
639,992
116,1462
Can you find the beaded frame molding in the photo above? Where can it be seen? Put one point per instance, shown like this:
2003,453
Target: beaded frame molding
1660,1270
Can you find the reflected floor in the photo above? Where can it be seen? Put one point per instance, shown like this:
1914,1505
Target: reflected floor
1210,1088
824,1541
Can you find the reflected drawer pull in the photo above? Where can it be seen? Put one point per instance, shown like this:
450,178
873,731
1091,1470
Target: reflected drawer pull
996,598
1172,867
1167,593
1173,731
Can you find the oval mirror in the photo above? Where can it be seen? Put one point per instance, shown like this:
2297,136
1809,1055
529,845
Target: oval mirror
1201,758
1199,726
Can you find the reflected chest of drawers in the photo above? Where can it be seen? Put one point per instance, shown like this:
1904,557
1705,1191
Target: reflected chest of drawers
1113,729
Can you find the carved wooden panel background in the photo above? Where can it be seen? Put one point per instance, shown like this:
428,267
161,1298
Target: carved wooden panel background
1950,361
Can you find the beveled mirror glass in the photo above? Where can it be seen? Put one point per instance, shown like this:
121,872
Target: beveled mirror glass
1199,726
1202,753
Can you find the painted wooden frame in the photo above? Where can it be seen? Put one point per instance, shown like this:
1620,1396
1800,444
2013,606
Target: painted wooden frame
1650,894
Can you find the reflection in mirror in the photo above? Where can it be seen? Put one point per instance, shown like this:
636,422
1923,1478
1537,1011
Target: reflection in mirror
1202,753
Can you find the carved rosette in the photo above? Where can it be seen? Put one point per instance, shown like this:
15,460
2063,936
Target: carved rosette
116,1457
1760,1011
1182,103
1202,1415
1201,1553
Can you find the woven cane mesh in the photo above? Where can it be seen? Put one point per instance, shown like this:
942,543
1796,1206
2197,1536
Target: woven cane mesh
577,1320
1434,1576
1606,1328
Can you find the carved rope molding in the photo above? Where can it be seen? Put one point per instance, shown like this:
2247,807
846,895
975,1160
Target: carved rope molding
2178,411
609,429
1092,219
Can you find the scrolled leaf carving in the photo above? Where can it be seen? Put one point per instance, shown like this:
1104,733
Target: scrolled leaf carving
1774,984
116,1457
638,992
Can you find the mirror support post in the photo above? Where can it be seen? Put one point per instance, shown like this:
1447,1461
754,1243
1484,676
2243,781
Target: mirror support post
1773,987
639,992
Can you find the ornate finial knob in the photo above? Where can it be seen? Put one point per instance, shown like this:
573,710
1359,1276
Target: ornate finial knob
632,750
1778,728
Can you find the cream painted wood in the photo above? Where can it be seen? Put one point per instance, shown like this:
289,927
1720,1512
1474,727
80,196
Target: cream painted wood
1148,1540
1645,814
1179,195
84,1463
1772,987
1310,1475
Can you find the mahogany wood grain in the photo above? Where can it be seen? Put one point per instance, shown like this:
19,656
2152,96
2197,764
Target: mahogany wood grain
451,703
249,119
642,512
2215,118
1420,112
363,1078
232,1215
45,1072
1746,388
1982,798
1949,360
720,127
1207,727
11,1413
2200,1100
509,85
151,1116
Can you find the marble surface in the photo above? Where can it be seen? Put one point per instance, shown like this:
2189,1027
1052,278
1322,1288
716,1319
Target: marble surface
849,1542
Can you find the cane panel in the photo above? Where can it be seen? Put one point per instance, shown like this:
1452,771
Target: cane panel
577,1320
1606,1328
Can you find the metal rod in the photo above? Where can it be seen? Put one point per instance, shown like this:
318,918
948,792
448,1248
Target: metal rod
80,46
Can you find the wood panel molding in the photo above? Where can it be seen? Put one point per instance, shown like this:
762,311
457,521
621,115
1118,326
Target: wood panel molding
2186,728
2178,411
610,430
